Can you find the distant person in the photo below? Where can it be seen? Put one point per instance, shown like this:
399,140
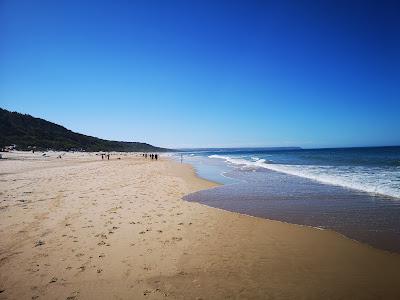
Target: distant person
108,156
156,156
102,156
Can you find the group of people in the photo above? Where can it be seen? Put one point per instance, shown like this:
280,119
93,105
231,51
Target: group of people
152,156
103,156
145,155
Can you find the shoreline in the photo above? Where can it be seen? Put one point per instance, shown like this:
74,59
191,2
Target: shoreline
88,215
273,195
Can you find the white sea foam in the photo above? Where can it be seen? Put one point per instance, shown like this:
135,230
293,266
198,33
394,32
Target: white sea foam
373,180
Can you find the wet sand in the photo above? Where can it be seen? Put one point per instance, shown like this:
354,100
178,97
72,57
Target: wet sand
83,228
369,218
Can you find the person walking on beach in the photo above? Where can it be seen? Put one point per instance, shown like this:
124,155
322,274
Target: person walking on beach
102,156
156,156
108,156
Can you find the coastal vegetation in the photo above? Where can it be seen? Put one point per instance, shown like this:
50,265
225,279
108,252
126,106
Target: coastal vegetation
27,133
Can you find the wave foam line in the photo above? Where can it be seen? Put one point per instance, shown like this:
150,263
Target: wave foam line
361,180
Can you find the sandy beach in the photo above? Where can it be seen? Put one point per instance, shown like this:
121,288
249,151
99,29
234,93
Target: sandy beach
85,228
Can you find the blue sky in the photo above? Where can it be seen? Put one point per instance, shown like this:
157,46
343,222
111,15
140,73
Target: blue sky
207,74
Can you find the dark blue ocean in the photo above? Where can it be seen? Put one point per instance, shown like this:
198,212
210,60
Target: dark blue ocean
354,191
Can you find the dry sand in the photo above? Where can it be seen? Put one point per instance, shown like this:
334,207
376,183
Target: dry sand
83,228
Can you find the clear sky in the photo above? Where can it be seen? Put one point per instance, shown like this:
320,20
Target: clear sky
207,73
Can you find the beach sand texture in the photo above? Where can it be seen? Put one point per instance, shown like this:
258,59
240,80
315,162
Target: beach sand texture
83,228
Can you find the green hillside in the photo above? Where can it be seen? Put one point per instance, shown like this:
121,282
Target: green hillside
26,132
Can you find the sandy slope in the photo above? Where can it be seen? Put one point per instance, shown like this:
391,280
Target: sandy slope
82,228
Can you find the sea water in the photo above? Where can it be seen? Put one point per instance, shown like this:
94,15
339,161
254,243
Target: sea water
354,191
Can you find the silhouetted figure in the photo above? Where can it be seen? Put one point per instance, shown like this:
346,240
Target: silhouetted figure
102,156
156,156
108,156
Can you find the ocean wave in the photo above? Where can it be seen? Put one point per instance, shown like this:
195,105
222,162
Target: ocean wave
371,180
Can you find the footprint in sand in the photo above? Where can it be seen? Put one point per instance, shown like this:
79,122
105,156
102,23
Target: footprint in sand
73,296
39,243
147,268
54,279
146,292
